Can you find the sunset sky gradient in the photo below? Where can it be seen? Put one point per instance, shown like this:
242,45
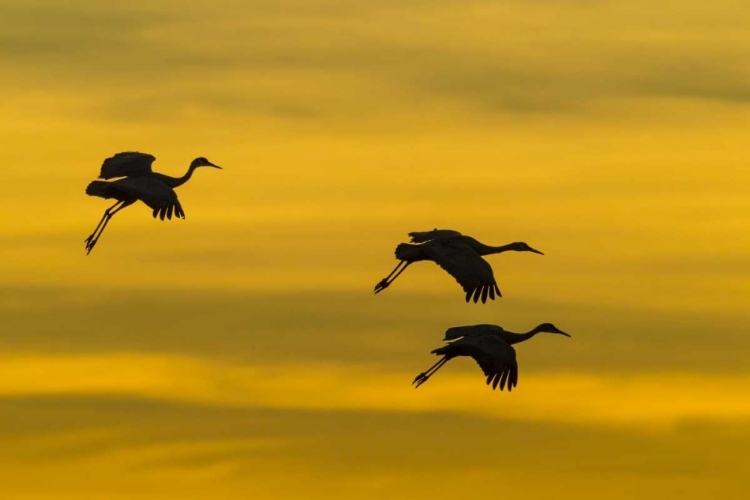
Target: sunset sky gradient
240,354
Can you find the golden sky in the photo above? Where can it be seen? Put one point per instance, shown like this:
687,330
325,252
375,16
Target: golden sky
240,354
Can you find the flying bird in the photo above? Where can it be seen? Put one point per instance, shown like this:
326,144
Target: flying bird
490,346
459,255
138,182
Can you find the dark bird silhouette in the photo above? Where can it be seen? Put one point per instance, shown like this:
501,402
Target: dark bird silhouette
139,183
490,346
459,255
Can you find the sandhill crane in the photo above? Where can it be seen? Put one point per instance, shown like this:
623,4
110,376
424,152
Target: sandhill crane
139,183
459,255
490,347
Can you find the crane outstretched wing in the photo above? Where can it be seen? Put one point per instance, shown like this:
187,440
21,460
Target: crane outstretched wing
457,332
424,236
471,271
495,357
127,164
157,195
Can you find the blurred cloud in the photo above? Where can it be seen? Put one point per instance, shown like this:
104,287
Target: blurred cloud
354,59
381,334
654,399
144,447
241,352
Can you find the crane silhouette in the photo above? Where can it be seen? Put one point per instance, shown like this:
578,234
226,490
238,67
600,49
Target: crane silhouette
490,346
139,182
459,255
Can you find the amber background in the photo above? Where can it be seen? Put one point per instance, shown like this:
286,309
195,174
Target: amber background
240,353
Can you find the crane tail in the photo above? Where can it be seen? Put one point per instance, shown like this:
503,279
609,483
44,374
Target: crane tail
98,188
441,351
456,332
407,251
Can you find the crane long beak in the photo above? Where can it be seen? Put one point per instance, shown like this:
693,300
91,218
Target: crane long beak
215,166
562,333
535,251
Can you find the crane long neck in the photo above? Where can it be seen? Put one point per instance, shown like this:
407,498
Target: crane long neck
515,338
179,181
483,249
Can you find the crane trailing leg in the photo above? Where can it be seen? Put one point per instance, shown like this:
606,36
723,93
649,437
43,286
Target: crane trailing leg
386,282
407,254
111,211
101,221
425,375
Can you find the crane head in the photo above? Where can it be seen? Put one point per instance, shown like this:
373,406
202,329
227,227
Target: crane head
550,328
520,246
202,162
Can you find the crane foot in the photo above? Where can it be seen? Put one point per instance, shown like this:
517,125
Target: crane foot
90,245
420,379
382,285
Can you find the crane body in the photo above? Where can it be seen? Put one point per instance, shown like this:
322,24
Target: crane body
459,255
490,346
138,182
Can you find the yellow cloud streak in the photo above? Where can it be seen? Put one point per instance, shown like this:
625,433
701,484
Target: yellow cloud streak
655,400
